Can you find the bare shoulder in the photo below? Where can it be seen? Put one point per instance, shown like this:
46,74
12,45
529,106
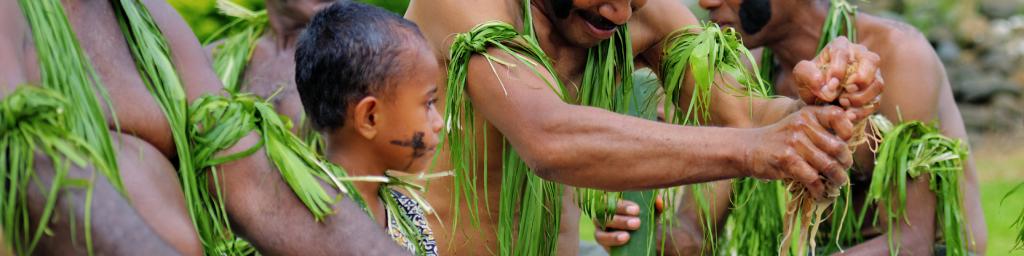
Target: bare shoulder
900,42
913,73
664,16
654,22
439,20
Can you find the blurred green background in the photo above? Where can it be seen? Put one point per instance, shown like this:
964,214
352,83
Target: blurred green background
981,43
204,19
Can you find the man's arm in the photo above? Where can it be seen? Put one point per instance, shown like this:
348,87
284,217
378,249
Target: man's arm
264,210
659,19
589,147
190,60
117,227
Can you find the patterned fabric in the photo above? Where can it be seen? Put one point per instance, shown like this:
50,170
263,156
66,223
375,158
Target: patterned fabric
408,208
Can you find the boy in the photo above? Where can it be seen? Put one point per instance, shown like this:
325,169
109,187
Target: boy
376,114
366,78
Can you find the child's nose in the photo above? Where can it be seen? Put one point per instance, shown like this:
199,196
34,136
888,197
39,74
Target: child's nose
436,122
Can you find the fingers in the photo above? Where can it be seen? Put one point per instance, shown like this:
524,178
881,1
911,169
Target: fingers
621,222
614,238
626,216
832,117
808,79
856,99
838,57
858,114
803,173
834,146
626,207
830,91
866,68
659,206
826,153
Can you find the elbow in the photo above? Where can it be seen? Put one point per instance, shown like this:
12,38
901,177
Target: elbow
919,244
550,155
547,158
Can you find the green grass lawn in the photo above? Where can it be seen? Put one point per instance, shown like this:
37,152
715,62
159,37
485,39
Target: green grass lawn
1000,215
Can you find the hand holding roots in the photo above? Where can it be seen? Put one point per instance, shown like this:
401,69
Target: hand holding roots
846,75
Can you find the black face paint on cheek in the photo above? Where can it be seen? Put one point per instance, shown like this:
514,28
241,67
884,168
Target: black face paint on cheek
561,8
754,15
419,149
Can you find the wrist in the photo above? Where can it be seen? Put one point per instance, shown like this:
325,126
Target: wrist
743,162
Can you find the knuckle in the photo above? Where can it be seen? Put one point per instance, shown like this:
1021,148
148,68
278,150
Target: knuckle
792,141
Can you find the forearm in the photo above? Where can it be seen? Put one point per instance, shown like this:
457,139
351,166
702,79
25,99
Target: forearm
264,210
595,147
348,231
916,230
766,111
880,246
116,227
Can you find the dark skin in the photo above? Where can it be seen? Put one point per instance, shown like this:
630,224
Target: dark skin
595,145
272,66
264,210
154,215
919,91
114,230
155,212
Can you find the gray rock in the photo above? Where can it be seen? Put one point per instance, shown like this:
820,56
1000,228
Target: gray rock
1001,9
948,50
983,88
998,59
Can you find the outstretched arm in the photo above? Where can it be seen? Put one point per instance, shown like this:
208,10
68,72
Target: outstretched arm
589,147
264,210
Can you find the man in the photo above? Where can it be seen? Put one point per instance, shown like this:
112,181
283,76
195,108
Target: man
153,219
917,89
156,221
588,147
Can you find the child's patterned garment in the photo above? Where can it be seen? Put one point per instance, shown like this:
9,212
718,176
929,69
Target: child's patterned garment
408,208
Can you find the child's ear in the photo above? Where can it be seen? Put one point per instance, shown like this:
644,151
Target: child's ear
365,117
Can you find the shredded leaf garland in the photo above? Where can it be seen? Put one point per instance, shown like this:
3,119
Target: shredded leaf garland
34,119
233,54
705,52
65,71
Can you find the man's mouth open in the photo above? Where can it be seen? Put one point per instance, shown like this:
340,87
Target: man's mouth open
600,27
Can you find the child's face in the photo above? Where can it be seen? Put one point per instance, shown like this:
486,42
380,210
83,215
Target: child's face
411,124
